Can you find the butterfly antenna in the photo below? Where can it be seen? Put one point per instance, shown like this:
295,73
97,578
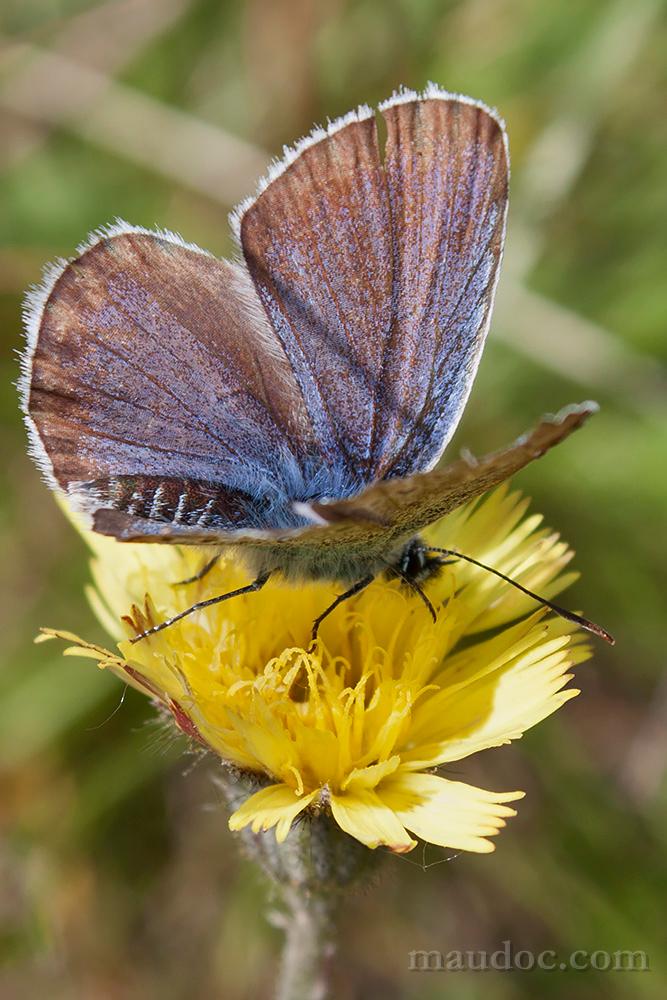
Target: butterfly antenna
569,616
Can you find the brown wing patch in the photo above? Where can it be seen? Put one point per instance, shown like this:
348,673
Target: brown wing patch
404,506
447,168
378,277
317,245
183,502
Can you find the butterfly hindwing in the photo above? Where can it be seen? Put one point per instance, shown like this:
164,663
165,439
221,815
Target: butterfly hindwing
383,516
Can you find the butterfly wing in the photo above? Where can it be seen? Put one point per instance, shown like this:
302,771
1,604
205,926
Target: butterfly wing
405,506
378,274
387,513
153,384
447,170
162,396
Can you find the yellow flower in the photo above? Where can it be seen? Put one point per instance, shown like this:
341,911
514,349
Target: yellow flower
357,725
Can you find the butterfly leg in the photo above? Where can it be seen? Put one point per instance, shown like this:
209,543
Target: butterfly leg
200,574
414,586
356,589
414,566
248,589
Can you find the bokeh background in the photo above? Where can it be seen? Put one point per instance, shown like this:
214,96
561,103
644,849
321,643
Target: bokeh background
118,877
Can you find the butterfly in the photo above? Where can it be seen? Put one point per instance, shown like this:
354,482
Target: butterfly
293,403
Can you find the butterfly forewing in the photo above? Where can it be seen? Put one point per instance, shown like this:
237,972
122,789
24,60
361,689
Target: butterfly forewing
318,246
446,171
378,277
153,367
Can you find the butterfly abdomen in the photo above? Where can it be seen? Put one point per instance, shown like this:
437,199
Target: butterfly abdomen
338,563
407,560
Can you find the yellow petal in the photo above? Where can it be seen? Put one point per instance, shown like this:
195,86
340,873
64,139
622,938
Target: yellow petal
365,817
494,708
387,693
369,777
80,647
277,805
268,745
447,813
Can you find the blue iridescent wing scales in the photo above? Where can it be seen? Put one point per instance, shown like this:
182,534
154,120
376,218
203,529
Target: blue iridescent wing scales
383,516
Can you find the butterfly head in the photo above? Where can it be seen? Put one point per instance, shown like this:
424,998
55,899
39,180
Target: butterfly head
415,564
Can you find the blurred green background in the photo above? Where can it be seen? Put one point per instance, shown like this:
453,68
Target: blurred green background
118,877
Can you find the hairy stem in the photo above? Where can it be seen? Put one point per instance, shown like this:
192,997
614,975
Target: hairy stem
307,960
311,872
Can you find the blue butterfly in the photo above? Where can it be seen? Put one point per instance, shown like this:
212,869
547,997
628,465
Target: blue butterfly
293,403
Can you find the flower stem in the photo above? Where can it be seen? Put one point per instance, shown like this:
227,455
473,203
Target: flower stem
312,870
307,960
